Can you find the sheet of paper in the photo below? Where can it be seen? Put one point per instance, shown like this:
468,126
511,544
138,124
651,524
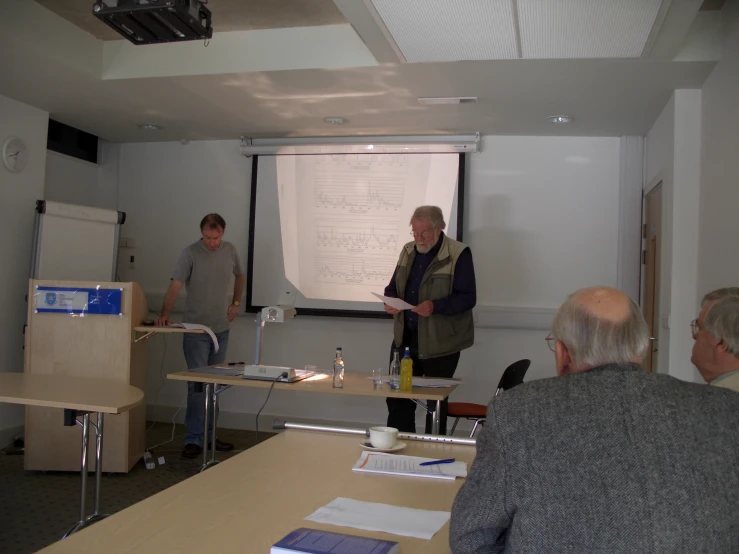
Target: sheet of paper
197,326
426,382
393,464
396,303
372,516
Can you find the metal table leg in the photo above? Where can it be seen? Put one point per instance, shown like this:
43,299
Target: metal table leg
96,515
208,395
213,391
83,476
85,520
213,460
435,414
435,418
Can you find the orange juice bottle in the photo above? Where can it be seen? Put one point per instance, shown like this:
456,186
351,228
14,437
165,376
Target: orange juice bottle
406,371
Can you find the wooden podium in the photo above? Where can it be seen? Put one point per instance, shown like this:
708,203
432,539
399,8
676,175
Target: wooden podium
64,337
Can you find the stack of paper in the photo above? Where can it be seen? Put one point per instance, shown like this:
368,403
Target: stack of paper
428,383
372,516
392,464
198,327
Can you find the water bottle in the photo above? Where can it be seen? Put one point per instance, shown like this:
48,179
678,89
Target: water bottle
406,371
338,370
395,370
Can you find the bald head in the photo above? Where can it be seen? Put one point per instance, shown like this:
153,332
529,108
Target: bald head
604,303
598,326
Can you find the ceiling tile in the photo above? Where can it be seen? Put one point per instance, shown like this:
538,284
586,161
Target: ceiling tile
450,30
585,28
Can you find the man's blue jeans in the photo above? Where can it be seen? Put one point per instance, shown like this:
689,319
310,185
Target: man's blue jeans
199,352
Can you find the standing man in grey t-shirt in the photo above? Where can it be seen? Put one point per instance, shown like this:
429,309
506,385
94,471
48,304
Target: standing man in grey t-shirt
206,268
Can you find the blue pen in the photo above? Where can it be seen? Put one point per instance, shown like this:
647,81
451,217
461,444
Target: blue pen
437,462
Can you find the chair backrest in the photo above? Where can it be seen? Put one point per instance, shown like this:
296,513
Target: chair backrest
513,375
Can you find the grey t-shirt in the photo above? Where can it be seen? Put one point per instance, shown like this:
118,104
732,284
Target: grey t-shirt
208,277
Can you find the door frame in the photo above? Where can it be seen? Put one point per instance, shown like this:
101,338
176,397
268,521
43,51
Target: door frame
656,182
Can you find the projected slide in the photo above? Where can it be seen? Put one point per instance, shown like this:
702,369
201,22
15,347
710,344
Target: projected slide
344,217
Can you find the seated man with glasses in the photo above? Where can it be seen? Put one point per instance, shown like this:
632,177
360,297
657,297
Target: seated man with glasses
716,336
436,275
606,457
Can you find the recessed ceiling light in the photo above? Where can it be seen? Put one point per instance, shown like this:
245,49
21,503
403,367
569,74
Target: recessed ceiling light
149,126
447,99
560,119
335,120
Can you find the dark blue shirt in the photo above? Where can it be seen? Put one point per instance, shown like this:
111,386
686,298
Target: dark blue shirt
464,289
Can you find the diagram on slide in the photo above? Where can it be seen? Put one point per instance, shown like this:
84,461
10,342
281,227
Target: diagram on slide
354,270
360,186
358,235
344,218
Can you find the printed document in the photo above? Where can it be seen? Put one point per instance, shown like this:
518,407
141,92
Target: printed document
198,327
428,383
372,516
393,464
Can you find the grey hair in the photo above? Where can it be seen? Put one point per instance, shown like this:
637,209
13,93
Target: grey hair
719,294
722,322
432,214
594,341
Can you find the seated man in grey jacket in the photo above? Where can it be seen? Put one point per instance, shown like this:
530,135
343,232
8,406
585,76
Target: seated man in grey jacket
716,336
604,458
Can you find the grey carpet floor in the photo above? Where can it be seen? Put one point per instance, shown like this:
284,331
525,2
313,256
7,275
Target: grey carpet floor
37,508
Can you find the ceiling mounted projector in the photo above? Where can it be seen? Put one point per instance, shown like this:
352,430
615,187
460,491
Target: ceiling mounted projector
156,21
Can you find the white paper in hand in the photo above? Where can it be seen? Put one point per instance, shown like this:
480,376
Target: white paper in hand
396,303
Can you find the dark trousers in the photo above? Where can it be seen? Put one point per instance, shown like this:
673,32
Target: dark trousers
402,411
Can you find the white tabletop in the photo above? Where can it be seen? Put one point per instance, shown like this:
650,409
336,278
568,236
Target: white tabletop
249,502
355,384
73,393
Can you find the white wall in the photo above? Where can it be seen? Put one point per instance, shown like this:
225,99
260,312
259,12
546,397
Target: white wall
554,201
673,158
18,195
542,218
659,167
660,149
719,197
686,216
74,181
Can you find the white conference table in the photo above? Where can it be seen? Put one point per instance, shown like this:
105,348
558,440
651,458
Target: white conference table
249,502
76,396
355,384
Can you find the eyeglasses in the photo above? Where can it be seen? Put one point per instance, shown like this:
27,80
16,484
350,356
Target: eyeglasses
427,234
695,328
551,341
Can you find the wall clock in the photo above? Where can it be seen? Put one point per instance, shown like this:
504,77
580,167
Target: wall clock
15,154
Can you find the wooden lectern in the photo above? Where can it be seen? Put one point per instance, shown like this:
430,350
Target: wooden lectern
65,337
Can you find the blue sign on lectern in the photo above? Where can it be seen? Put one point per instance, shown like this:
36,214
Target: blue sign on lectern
97,301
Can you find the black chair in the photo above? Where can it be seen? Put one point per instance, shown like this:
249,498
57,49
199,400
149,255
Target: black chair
512,376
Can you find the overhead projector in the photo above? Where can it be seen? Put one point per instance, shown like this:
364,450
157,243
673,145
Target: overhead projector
156,21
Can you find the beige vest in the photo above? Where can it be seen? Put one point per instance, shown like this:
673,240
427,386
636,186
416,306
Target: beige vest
438,334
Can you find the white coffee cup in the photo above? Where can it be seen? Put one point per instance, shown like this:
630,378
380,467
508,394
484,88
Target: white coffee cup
383,437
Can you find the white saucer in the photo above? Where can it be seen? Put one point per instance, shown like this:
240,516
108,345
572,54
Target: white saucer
368,446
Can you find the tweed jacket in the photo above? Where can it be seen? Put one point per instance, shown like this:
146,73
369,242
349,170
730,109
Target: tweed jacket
613,460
